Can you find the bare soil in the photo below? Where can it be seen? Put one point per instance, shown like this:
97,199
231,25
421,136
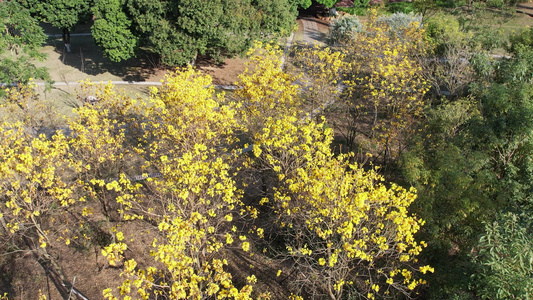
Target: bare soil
86,61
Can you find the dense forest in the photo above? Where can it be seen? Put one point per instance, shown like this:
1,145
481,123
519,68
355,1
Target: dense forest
391,162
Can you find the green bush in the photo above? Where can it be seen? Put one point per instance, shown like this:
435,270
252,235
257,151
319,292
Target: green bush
450,3
355,11
505,260
444,30
344,28
400,7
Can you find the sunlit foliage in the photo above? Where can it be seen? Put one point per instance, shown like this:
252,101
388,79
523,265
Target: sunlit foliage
341,224
385,79
172,162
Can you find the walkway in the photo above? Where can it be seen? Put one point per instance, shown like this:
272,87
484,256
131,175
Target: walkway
525,8
149,83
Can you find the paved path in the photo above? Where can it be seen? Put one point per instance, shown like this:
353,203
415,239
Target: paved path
311,33
149,83
525,8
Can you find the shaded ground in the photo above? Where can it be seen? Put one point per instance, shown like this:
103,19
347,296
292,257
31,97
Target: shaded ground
313,27
86,61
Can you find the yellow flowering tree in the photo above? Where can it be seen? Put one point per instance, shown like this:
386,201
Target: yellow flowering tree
265,89
385,80
100,144
22,104
322,69
187,136
348,233
36,194
170,163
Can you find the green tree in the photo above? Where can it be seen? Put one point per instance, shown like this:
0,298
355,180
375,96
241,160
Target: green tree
302,3
328,3
63,14
19,43
180,31
111,30
471,161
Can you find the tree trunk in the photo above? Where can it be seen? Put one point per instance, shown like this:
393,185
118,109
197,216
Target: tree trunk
66,38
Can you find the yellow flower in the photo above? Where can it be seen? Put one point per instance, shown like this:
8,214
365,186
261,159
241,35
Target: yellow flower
246,246
425,269
228,217
321,261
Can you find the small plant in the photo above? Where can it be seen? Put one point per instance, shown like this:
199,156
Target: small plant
344,29
398,21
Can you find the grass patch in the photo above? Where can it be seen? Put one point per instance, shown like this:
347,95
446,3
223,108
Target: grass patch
356,11
400,7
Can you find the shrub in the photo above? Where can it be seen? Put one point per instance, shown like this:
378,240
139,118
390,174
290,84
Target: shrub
505,260
344,29
400,20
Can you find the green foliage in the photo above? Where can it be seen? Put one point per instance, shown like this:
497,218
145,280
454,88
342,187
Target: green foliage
302,3
355,11
401,7
471,161
502,3
520,67
111,30
521,41
505,132
179,31
449,173
443,30
21,39
277,16
328,3
60,13
450,3
505,259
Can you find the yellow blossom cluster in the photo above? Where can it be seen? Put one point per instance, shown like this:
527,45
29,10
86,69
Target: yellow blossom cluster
322,68
385,79
340,217
169,162
264,88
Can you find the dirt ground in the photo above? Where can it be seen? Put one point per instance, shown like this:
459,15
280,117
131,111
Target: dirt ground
86,61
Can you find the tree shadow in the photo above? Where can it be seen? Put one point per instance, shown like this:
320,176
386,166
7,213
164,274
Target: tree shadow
7,271
87,57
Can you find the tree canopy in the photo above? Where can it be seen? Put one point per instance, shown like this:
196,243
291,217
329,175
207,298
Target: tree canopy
60,13
181,30
19,42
